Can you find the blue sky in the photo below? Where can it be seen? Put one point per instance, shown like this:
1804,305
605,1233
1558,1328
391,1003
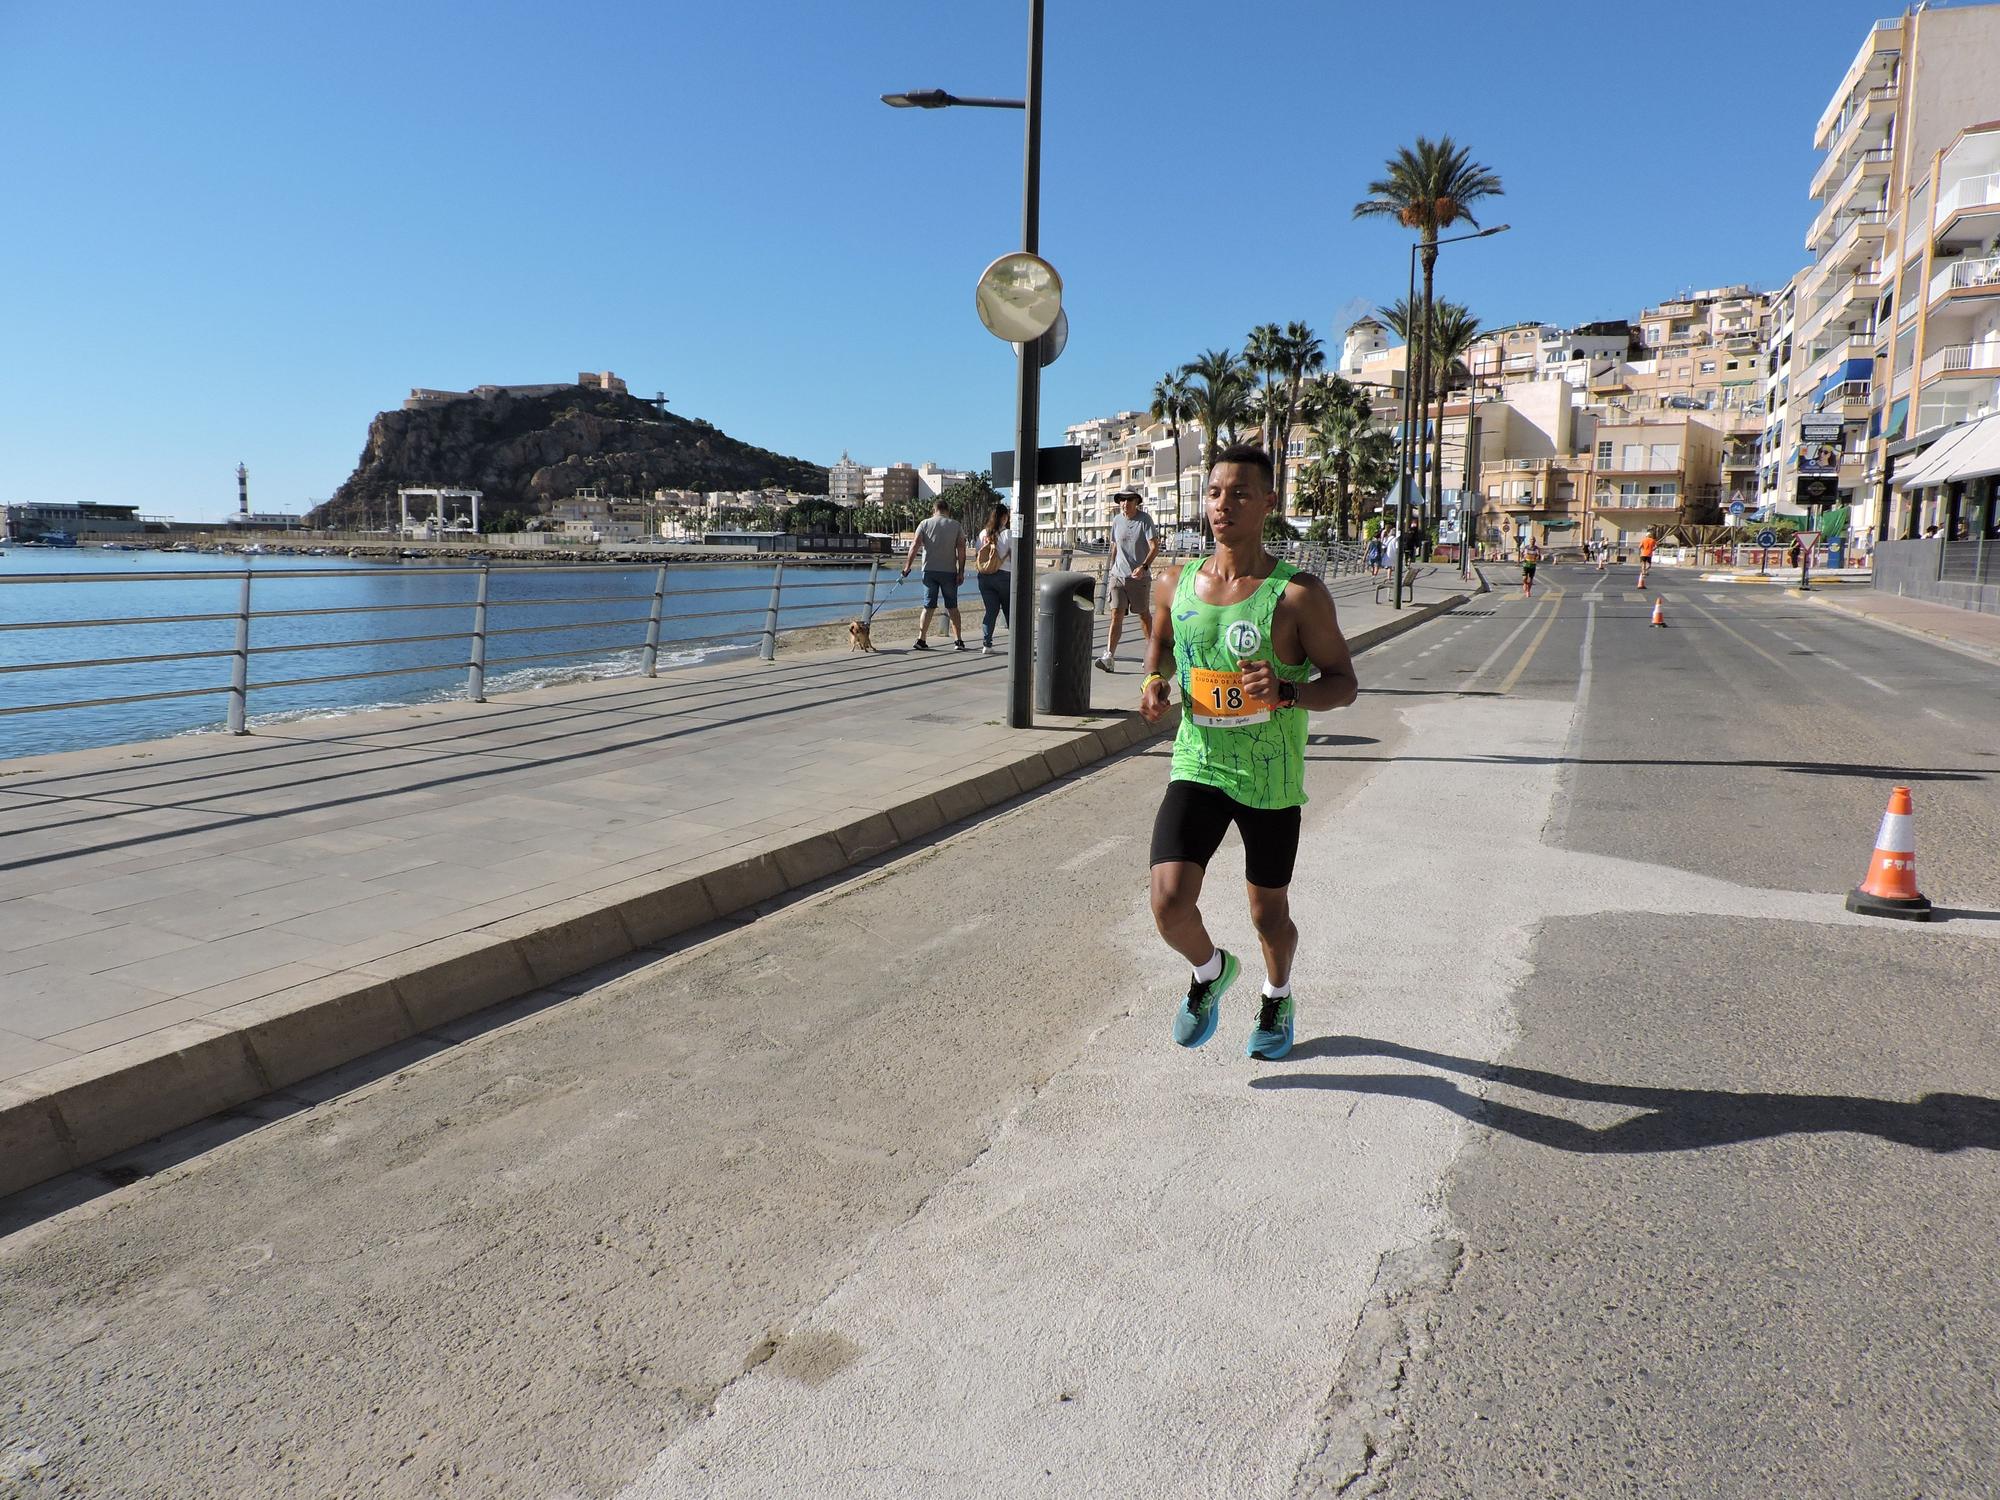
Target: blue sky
237,230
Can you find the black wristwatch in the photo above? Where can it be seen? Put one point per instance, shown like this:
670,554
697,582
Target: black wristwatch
1288,695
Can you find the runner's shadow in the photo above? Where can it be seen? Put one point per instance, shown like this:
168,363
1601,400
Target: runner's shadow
1674,1119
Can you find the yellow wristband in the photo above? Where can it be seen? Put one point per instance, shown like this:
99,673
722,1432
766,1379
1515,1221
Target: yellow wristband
1151,678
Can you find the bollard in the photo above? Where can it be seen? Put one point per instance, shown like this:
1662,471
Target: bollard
653,622
769,650
239,665
874,574
475,675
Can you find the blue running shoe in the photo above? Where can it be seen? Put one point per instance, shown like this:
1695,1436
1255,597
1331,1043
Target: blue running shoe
1272,1038
1194,1022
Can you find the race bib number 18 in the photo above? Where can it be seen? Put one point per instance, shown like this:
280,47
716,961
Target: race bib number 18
1216,700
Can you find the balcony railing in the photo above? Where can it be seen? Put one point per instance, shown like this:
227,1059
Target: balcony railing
1962,275
1973,192
1868,218
1956,359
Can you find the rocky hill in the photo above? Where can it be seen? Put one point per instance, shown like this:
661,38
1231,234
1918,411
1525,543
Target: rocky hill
525,452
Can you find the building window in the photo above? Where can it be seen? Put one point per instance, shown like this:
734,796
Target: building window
1708,366
1632,456
1604,454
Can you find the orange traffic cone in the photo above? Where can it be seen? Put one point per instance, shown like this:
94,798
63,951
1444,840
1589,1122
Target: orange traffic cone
1891,887
1642,577
1660,613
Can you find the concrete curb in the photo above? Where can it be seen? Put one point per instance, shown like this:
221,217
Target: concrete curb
1914,632
76,1113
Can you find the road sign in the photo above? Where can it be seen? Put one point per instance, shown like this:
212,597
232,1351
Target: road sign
1767,538
1736,509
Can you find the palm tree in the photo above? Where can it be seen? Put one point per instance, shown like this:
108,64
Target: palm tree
1304,355
1220,387
1453,329
1264,355
1345,440
1173,404
1429,189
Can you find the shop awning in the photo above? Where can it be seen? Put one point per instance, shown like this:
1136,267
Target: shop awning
1965,452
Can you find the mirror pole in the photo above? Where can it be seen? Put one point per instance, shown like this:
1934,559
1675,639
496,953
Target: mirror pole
1027,416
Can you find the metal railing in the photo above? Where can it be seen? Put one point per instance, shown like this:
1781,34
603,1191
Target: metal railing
762,624
1970,192
1961,275
1955,359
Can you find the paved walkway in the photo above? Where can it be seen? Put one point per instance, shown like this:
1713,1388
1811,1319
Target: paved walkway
1967,629
335,885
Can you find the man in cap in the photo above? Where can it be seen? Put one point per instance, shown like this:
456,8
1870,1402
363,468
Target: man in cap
1135,542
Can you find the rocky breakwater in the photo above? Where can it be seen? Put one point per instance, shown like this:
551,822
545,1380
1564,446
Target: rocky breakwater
527,452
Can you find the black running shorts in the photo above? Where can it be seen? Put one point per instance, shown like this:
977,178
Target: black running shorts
1193,818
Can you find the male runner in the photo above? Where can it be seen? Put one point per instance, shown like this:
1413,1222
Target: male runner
1648,545
1244,633
1530,559
1135,542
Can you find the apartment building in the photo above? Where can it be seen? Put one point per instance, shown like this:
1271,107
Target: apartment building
1653,471
847,481
1895,328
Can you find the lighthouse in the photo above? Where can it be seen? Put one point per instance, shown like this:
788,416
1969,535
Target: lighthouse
243,492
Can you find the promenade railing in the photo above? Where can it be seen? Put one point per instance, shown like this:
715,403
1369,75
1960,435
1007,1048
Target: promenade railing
786,595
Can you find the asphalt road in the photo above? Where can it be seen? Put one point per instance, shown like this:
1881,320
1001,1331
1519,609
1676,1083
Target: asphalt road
1615,1158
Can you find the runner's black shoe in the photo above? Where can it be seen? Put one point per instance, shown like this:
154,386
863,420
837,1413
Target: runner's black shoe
922,644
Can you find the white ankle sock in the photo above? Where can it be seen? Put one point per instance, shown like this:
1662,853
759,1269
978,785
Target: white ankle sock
1277,991
1208,971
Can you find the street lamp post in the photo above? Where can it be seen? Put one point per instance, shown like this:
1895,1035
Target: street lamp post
1417,400
1028,389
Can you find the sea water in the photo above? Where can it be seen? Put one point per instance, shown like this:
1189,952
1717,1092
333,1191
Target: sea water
601,628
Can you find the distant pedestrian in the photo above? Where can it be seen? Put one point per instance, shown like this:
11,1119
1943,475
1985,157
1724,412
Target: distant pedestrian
1374,555
1392,551
941,542
994,564
1603,554
1135,542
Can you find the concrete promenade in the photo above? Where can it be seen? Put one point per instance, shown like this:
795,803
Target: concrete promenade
1965,629
189,924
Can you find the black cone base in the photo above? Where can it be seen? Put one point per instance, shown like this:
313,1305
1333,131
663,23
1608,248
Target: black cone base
1908,909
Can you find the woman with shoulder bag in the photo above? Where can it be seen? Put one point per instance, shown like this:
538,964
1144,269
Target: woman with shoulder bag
994,563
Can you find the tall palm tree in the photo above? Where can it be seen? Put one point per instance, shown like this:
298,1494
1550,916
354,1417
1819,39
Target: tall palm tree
1173,404
1220,386
1429,189
1344,437
1453,329
1264,356
1304,356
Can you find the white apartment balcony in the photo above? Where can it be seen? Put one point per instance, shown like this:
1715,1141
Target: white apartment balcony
1849,299
1870,169
1852,240
1845,346
1874,63
1962,362
1956,402
1870,117
1848,401
1968,212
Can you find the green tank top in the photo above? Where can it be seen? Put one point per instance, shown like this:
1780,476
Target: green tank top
1259,756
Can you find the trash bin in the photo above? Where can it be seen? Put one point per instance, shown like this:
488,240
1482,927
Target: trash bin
1836,553
1065,615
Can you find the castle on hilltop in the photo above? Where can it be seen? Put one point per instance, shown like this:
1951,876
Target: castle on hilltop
588,380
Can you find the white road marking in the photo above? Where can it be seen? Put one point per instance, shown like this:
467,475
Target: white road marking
1880,686
1946,717
1094,853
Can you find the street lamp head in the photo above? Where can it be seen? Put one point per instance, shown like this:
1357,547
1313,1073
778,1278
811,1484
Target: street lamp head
1496,229
918,99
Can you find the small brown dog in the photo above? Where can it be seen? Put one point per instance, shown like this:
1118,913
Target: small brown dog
857,636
